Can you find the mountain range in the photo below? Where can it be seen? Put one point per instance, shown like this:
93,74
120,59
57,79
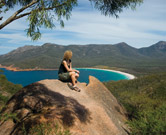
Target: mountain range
49,56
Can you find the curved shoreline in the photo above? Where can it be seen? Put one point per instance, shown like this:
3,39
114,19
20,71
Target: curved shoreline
129,76
11,68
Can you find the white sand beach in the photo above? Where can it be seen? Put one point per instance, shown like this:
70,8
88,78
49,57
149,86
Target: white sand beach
129,76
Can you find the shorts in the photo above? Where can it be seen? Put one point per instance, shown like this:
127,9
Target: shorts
64,76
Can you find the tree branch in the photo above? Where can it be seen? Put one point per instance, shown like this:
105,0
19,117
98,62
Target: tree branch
14,16
22,15
49,8
25,7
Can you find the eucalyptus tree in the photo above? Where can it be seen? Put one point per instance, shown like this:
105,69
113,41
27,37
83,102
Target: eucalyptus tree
44,13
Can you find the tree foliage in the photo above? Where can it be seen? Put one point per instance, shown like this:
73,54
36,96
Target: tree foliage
40,13
113,7
44,13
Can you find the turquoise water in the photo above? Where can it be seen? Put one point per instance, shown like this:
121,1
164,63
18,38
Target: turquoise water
28,77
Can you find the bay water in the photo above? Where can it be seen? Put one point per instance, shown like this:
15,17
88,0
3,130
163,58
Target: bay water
28,77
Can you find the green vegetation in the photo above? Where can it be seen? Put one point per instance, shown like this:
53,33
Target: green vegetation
7,89
152,122
6,116
144,99
114,7
51,128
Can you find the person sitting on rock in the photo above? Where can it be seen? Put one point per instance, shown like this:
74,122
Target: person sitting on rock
66,73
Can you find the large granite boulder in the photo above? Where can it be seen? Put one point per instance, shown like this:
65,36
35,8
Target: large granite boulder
93,111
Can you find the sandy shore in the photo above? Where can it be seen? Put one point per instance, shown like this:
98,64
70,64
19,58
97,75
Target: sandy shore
129,76
15,69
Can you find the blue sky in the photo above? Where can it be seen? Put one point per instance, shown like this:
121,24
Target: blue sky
140,28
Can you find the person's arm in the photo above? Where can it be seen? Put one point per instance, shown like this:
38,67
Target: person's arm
71,65
74,69
69,69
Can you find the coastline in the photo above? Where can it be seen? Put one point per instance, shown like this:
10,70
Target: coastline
15,69
129,76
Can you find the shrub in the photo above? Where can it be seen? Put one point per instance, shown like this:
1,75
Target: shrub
152,122
143,99
49,128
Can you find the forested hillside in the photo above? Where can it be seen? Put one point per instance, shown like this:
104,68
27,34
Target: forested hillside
49,56
144,99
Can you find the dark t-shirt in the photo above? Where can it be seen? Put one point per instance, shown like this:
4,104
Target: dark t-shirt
62,68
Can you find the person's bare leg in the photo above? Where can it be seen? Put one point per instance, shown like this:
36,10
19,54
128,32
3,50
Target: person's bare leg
73,78
76,76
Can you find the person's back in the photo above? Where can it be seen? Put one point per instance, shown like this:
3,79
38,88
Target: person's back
66,73
62,68
63,73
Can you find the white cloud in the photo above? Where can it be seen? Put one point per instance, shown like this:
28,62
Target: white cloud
138,28
110,29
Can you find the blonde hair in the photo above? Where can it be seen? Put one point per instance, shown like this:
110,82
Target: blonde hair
67,55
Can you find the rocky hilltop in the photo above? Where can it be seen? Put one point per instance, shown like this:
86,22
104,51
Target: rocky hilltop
93,111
